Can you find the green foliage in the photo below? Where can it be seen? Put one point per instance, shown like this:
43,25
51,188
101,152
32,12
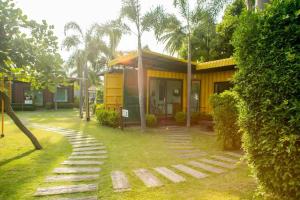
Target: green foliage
65,105
268,83
180,118
108,117
226,28
23,107
28,49
49,105
151,120
225,116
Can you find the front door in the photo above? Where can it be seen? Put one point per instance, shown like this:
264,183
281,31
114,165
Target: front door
165,96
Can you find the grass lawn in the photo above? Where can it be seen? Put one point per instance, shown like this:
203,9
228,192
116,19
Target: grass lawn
22,170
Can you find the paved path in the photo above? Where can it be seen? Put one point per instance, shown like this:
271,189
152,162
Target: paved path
80,172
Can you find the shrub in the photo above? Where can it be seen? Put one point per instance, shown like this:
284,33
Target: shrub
113,119
107,117
151,120
225,116
49,105
268,82
65,105
180,118
23,107
195,117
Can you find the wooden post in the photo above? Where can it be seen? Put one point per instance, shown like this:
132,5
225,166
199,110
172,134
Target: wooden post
121,119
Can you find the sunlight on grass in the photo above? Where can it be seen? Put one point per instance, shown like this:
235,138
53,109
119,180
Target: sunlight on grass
127,150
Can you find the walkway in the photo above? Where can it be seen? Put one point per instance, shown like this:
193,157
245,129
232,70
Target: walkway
77,178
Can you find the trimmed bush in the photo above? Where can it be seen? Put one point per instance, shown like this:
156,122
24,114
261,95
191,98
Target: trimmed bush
180,118
205,116
268,82
108,117
65,105
225,116
151,120
23,107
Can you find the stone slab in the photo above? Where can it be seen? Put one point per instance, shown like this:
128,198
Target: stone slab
89,148
81,162
223,158
191,155
218,163
88,157
79,198
87,145
71,178
148,178
169,174
192,172
120,181
84,142
206,167
76,170
88,153
67,189
237,155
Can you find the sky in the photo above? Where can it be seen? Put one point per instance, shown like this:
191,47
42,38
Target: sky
88,12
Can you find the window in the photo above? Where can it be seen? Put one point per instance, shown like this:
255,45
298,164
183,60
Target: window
62,95
222,86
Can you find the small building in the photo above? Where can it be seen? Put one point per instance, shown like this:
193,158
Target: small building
24,98
165,84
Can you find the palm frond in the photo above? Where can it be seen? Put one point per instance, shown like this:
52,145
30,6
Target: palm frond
130,9
70,42
72,26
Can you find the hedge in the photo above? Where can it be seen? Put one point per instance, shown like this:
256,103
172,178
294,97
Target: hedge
225,116
151,120
108,117
23,107
267,46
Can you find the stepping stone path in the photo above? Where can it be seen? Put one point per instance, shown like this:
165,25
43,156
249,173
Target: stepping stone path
148,178
190,171
120,181
84,162
179,140
206,167
169,174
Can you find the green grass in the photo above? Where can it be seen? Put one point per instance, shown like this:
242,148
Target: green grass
127,150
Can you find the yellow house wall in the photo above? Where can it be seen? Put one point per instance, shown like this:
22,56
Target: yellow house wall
113,90
207,80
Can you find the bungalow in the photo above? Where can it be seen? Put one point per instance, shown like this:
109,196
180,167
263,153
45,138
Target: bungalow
165,83
23,98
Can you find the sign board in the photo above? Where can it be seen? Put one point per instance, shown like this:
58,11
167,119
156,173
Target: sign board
29,101
124,113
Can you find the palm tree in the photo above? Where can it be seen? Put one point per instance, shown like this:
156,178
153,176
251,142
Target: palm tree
75,40
131,10
177,33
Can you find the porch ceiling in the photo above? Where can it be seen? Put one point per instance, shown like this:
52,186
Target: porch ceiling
153,60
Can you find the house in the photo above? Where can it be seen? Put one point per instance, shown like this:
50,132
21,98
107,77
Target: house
24,98
165,84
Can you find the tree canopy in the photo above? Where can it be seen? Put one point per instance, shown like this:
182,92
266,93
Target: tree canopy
28,49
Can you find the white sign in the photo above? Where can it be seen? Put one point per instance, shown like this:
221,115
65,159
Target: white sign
124,113
28,101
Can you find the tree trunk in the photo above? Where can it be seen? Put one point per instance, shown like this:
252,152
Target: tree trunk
87,105
80,97
260,4
189,85
18,122
249,4
141,84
